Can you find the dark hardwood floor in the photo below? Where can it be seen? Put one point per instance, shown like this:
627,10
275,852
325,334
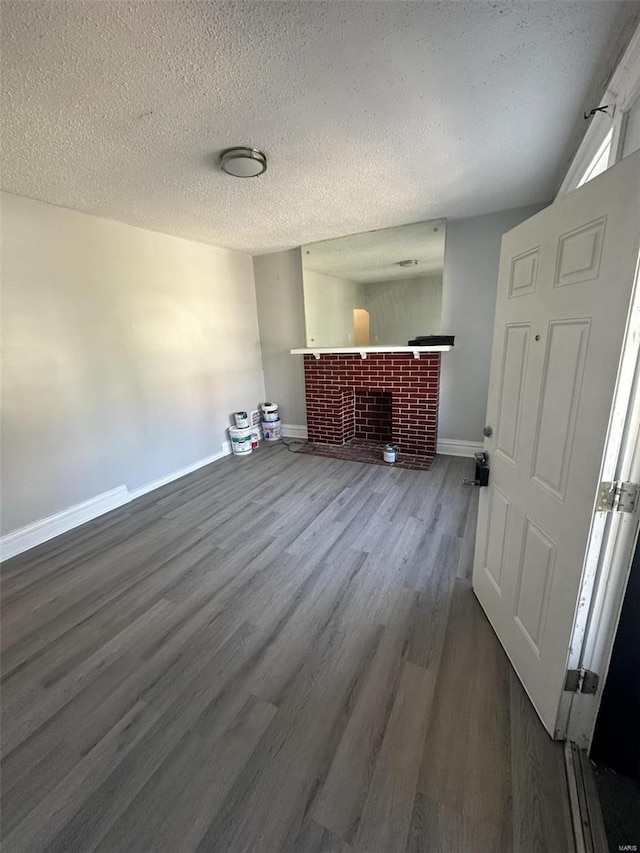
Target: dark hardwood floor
278,653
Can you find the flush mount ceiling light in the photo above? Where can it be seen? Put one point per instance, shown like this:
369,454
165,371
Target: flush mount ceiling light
243,162
410,262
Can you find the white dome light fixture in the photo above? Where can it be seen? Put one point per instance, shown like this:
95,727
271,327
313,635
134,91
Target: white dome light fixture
242,162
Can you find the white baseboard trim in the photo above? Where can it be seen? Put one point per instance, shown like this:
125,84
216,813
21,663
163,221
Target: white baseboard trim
28,537
181,472
453,447
294,431
48,528
446,446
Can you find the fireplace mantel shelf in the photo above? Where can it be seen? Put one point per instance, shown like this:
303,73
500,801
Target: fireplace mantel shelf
362,351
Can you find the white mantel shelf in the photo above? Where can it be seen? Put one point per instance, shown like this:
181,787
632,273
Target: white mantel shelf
362,351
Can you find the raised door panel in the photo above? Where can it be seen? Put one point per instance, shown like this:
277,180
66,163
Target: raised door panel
560,391
534,580
514,368
497,533
580,253
524,273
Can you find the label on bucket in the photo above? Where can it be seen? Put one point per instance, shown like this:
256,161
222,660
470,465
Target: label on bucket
241,440
272,430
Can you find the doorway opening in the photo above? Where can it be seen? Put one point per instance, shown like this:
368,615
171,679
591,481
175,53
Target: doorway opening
361,327
615,750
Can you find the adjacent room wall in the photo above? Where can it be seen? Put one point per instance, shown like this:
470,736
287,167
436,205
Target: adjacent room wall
280,299
468,305
124,353
328,307
402,310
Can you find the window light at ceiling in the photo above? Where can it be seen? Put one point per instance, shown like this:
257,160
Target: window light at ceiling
600,162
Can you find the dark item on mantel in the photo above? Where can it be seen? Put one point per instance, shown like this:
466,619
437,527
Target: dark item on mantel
432,341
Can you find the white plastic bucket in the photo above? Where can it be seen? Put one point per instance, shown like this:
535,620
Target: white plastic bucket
272,430
242,419
240,440
269,412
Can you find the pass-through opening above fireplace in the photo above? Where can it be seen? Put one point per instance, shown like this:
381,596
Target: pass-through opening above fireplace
376,289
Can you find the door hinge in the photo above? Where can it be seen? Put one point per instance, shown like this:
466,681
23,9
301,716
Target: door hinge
581,681
618,496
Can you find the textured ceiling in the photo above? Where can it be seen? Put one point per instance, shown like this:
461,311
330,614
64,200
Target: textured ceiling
374,255
371,113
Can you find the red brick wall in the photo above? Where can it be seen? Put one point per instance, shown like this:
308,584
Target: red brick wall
333,380
373,415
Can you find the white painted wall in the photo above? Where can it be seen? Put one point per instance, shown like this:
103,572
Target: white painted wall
280,299
468,306
402,310
123,354
328,308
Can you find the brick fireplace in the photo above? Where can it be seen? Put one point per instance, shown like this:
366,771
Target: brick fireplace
388,396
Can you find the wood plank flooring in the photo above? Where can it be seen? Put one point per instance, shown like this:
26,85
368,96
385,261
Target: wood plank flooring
279,653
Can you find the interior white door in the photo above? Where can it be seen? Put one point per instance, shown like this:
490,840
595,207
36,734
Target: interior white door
566,281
